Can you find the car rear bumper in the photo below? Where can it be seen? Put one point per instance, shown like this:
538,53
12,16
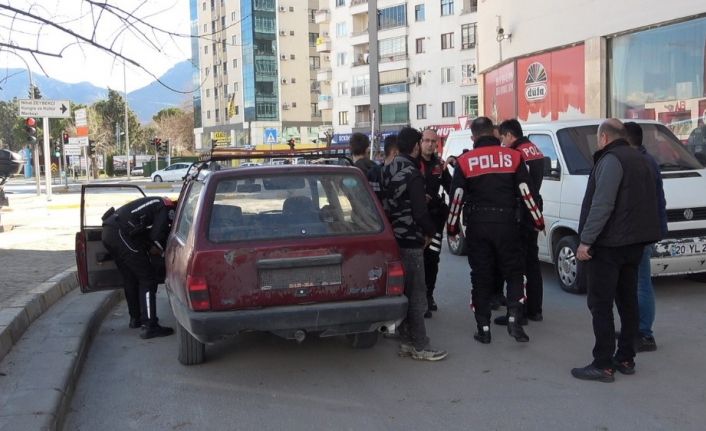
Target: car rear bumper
327,319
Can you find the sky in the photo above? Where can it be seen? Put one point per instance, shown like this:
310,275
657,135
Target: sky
80,62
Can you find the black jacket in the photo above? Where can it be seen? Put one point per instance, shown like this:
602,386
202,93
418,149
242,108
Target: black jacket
142,222
620,204
435,177
534,159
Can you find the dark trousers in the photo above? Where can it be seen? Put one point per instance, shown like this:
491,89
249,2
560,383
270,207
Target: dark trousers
495,248
431,264
139,275
612,277
535,286
413,328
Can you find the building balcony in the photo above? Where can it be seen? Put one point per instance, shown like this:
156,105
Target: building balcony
359,37
362,124
325,102
359,6
323,44
324,74
322,16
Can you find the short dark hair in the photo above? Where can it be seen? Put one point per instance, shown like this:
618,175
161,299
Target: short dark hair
634,132
407,139
482,126
359,144
390,144
512,127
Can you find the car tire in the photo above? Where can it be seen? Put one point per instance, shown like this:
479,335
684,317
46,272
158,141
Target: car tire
191,350
157,179
363,340
567,266
457,244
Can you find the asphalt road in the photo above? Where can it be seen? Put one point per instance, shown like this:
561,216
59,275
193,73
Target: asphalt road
258,381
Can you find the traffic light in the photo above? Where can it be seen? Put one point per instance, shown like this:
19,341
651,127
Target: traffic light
91,148
31,128
65,138
164,146
157,142
57,148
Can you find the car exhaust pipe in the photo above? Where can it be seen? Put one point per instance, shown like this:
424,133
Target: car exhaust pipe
299,335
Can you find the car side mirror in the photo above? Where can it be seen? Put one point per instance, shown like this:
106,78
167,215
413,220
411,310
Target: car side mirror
552,169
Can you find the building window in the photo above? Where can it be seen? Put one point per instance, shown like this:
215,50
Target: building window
314,63
312,38
447,7
468,74
291,8
234,40
232,16
294,104
419,12
205,28
392,49
420,45
217,116
207,70
225,68
208,92
225,90
421,112
470,106
213,4
205,49
447,109
312,15
397,113
392,17
291,32
341,59
235,87
204,5
340,3
447,41
213,48
215,92
235,63
343,88
215,71
292,56
208,115
468,36
294,80
315,110
360,85
341,29
223,22
213,26
447,75
343,118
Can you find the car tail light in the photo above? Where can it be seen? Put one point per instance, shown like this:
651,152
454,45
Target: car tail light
395,278
198,293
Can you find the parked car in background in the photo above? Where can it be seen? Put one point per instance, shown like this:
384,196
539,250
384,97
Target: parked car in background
137,171
173,172
295,250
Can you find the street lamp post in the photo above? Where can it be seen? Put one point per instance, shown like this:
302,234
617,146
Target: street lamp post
127,129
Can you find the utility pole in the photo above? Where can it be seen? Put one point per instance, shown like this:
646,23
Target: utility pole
127,129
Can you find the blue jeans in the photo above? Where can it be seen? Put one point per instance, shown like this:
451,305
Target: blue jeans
645,293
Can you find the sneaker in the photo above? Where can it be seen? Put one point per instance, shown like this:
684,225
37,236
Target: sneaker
591,372
646,343
405,350
148,332
482,335
135,323
535,317
429,354
432,304
625,367
502,321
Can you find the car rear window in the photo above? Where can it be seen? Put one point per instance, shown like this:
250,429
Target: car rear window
292,206
578,145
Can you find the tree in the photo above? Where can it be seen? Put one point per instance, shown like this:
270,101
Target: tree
177,126
104,116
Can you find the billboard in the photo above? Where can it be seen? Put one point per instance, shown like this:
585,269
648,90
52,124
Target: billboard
500,93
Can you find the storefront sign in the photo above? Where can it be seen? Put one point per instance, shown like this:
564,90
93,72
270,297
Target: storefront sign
443,130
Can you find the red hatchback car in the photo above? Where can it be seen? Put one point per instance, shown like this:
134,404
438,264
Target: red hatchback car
294,250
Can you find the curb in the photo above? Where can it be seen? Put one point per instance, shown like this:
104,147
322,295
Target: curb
24,309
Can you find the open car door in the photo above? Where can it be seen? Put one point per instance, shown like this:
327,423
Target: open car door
96,268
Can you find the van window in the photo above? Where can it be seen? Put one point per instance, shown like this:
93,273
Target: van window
545,143
578,144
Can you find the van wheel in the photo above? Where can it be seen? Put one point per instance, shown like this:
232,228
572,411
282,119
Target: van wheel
567,265
363,340
457,244
191,350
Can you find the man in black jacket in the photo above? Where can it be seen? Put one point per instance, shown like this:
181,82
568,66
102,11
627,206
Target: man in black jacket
134,234
489,184
512,137
413,228
619,216
359,144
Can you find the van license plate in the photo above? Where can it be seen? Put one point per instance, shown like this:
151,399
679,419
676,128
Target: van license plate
687,248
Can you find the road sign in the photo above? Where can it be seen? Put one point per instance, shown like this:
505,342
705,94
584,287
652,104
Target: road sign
79,140
81,117
45,108
72,150
270,136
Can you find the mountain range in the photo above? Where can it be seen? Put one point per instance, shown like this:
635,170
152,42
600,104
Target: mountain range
145,101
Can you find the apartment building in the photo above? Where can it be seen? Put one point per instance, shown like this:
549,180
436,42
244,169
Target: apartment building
257,76
413,63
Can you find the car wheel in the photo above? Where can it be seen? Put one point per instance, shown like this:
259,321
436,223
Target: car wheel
363,340
191,350
157,179
457,244
567,265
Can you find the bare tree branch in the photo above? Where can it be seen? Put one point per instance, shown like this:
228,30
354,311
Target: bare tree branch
33,51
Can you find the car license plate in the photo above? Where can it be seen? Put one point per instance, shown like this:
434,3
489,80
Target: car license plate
689,247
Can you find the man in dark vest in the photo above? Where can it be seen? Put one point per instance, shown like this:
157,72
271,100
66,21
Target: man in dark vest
619,217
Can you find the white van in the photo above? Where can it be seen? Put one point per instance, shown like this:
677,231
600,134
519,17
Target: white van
569,148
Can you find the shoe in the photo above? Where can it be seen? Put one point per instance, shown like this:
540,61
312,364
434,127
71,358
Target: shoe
502,321
591,372
646,343
135,323
432,304
515,330
429,354
482,335
625,367
148,332
427,314
535,317
405,350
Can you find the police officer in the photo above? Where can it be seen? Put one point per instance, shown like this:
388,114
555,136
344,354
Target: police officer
489,184
512,137
135,235
435,177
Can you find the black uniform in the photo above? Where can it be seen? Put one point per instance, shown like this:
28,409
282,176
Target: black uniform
494,181
128,234
534,159
435,177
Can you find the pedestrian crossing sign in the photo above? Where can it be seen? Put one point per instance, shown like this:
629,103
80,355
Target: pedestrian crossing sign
270,136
